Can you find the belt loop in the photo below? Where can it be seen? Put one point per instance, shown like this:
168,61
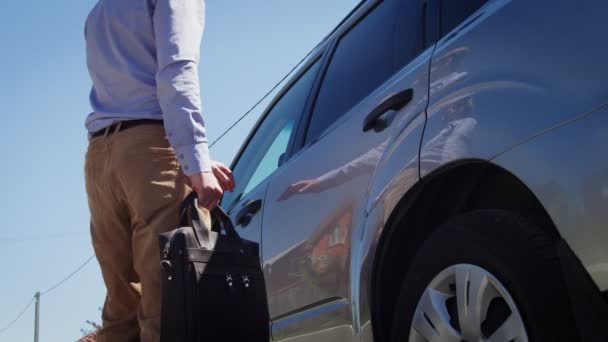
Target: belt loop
106,131
118,127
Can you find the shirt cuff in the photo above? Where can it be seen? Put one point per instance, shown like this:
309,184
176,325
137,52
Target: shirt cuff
194,159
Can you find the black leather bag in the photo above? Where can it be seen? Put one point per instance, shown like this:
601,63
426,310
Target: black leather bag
212,283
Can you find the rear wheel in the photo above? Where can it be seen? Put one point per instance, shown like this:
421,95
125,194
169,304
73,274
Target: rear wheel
484,276
466,302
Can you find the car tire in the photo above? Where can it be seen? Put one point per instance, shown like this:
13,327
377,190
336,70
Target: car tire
516,258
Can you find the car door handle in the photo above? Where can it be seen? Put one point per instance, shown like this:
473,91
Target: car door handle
393,102
243,218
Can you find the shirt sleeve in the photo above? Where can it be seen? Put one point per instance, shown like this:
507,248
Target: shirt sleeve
178,29
365,163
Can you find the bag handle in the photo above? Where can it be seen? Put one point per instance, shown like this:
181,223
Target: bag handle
218,214
190,204
226,223
186,205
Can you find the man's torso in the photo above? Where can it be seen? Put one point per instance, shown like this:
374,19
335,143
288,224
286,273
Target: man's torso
121,57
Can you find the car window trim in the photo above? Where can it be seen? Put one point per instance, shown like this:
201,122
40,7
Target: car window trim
473,16
312,59
432,22
323,48
299,139
339,33
341,120
431,28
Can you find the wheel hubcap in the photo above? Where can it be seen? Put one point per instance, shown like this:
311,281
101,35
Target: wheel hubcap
465,303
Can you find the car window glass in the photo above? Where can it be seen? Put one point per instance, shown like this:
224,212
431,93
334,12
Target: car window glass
408,41
271,160
454,12
262,154
372,51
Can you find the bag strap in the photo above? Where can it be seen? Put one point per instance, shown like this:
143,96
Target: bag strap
189,205
218,214
226,223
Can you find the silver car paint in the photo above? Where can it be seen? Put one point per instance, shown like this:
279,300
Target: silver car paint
509,73
313,231
501,84
518,81
567,170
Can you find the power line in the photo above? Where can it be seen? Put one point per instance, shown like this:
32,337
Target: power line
262,99
63,235
5,328
73,273
68,276
50,289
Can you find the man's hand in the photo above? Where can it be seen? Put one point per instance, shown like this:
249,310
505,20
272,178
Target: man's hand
207,188
224,175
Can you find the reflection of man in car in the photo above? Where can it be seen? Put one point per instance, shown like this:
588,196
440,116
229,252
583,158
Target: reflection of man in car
354,168
328,249
452,142
444,72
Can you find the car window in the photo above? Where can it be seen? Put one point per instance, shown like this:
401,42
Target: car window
372,51
271,160
455,12
262,154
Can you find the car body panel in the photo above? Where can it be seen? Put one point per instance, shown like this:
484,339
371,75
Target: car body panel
313,232
505,74
253,230
571,181
520,85
396,174
325,322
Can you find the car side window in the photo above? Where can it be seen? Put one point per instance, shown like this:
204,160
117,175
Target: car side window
381,43
263,153
453,12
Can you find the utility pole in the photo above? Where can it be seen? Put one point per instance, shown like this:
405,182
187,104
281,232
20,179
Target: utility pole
37,318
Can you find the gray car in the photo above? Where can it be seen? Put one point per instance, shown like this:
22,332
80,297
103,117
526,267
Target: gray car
436,170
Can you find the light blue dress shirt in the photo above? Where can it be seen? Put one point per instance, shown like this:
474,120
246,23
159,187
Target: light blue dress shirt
142,56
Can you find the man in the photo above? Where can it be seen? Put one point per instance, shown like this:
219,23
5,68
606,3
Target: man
146,132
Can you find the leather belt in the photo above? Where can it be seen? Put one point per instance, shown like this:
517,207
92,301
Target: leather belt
123,125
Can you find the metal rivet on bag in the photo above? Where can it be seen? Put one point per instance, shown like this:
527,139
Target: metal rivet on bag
229,280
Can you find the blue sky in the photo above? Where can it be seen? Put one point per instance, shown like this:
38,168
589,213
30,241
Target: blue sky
248,46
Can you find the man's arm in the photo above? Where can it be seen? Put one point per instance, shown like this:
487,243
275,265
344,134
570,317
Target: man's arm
178,28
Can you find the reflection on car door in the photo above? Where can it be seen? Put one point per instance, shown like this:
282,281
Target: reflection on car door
316,201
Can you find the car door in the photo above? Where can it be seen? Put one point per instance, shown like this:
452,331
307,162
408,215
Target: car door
264,151
374,85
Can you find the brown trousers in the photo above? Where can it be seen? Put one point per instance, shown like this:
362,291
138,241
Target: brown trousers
135,187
